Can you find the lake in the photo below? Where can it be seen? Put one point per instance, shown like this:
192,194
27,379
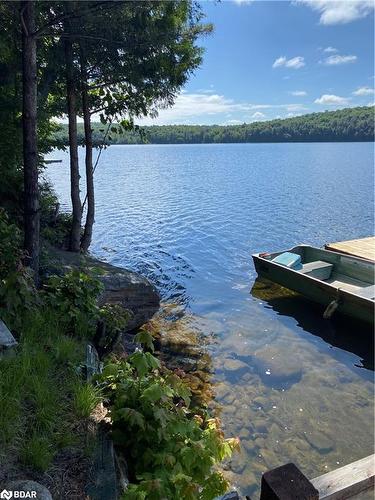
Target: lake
293,386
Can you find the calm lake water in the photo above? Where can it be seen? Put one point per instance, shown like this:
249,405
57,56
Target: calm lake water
293,386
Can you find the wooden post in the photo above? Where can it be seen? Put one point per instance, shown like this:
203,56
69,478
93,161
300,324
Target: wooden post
287,483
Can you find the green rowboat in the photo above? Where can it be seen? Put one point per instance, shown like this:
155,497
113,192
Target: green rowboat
340,282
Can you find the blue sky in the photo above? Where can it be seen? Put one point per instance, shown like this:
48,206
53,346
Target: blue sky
269,59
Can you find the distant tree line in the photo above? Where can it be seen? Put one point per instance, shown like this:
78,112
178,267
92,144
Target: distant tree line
346,125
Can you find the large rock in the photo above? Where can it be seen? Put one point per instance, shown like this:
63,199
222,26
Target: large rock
121,286
7,341
132,291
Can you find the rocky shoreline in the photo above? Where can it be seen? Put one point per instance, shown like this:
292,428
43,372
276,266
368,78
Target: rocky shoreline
133,292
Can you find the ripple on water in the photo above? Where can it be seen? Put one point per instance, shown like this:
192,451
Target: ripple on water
189,217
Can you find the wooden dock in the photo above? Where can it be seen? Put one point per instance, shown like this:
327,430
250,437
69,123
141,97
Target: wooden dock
364,248
52,160
288,482
348,481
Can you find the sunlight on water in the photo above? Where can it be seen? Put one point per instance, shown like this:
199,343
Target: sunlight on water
293,386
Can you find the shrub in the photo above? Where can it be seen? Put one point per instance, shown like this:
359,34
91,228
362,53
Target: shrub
172,450
74,298
17,292
57,233
55,226
10,238
112,321
115,318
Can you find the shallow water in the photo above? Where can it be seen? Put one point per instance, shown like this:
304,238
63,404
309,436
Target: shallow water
292,386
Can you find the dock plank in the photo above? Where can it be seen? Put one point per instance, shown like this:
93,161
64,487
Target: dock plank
363,247
346,481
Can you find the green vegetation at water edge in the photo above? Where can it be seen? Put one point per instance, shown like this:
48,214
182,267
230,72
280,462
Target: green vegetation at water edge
172,446
346,125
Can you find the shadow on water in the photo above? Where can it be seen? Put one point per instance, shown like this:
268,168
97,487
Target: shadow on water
340,332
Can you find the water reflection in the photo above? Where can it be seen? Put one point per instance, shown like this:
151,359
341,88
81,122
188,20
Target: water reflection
337,332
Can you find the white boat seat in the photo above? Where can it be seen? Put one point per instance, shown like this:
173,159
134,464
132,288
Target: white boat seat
367,292
317,269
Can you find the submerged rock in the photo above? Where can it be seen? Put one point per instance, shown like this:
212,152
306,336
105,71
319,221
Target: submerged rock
320,441
234,365
127,288
276,365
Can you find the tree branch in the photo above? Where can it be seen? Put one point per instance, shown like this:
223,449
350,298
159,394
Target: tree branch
74,15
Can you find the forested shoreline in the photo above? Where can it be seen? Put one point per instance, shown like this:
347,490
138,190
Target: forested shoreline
346,125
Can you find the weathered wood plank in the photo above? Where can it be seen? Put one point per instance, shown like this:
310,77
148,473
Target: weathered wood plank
364,247
347,481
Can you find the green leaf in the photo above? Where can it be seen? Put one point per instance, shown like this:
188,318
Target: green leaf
133,417
145,338
161,416
153,362
153,393
139,361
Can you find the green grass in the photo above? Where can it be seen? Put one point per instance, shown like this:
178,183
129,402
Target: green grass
42,398
37,452
85,399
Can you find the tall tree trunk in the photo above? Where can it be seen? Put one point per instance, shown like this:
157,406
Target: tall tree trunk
90,215
73,147
29,124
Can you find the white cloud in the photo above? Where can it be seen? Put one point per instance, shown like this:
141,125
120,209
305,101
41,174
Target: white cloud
330,49
337,59
258,116
199,107
298,93
294,62
233,122
332,100
340,11
364,91
280,61
187,105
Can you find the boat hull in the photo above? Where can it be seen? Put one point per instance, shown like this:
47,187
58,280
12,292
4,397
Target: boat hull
319,291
